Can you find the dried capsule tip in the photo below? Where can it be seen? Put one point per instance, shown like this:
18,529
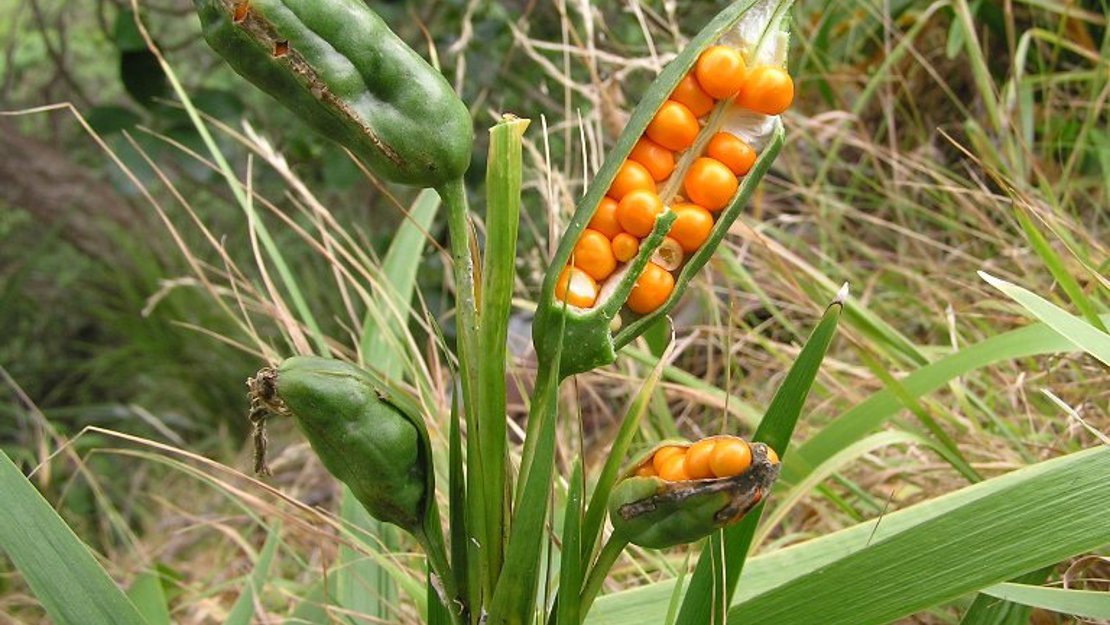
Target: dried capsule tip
265,402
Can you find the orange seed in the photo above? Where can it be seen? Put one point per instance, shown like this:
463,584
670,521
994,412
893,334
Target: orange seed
690,93
731,457
594,255
652,288
605,218
658,160
720,71
673,127
662,455
632,176
692,226
732,151
576,288
625,247
768,90
674,469
710,184
697,459
637,212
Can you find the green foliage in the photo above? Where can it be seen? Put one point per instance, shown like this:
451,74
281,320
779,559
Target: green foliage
69,582
930,142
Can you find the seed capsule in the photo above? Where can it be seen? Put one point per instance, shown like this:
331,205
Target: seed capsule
668,156
681,503
367,437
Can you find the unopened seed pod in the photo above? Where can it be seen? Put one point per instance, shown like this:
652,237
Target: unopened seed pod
661,161
370,438
659,504
338,66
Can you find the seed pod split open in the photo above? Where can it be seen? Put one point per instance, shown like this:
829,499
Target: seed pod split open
674,166
678,493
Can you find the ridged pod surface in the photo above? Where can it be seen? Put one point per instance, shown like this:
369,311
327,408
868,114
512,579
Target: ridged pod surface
338,66
369,438
653,512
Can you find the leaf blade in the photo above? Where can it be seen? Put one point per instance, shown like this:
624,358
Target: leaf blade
775,429
61,571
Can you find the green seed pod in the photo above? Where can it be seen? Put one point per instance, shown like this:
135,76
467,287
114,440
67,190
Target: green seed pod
371,439
651,511
338,66
593,333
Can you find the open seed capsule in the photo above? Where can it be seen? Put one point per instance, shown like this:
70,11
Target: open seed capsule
677,178
675,500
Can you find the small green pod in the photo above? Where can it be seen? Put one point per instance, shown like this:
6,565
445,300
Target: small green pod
371,439
338,66
653,512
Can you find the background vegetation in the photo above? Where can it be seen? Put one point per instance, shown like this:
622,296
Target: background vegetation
930,141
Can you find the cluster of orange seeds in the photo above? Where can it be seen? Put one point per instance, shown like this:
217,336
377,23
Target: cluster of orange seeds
709,458
628,212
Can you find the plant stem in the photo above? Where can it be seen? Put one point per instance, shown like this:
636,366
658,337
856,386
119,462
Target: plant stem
463,256
498,273
541,407
600,570
431,539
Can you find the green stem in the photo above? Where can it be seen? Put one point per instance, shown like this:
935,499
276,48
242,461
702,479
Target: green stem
600,570
431,539
542,406
453,195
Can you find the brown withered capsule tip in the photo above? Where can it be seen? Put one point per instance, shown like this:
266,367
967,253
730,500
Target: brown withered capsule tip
262,391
